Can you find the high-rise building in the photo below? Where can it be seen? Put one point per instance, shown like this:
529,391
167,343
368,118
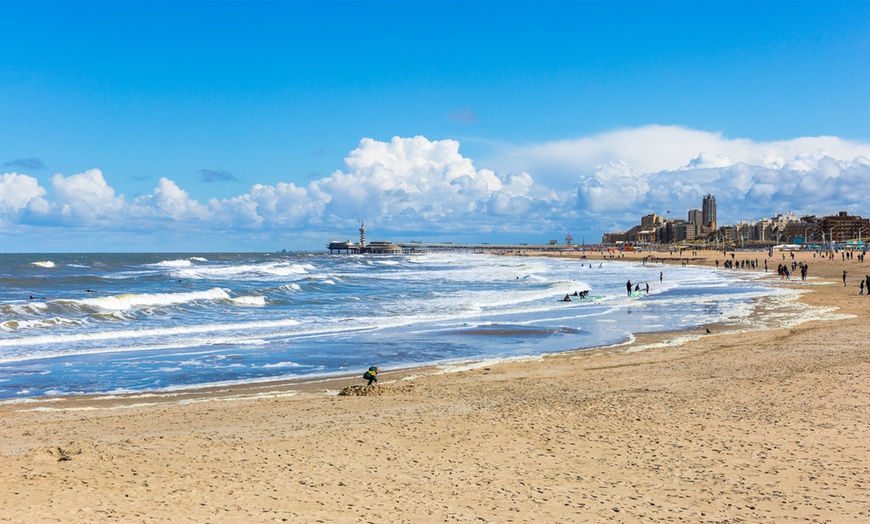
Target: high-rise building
708,212
694,224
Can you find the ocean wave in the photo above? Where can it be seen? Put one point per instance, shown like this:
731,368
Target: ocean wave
282,365
249,301
24,324
243,271
130,301
182,262
23,309
44,263
169,334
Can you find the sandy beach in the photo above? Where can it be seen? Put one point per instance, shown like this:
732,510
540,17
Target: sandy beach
758,426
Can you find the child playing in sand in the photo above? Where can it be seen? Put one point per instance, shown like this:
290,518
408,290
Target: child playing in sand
372,375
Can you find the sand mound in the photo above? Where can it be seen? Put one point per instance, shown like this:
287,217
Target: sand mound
365,391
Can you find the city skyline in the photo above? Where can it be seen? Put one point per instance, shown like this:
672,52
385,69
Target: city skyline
700,226
246,126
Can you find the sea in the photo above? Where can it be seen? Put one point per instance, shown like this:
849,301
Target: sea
77,324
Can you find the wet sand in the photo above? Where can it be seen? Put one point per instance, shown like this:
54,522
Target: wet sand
762,426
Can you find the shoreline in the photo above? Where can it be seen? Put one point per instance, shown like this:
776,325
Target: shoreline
331,384
756,426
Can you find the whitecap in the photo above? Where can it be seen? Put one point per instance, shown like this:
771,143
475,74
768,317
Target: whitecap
282,365
249,301
174,263
129,301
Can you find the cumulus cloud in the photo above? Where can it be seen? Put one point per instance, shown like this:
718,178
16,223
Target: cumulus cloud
651,149
85,196
412,186
20,194
25,163
415,181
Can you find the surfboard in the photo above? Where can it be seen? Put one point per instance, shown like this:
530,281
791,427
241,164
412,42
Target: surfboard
582,299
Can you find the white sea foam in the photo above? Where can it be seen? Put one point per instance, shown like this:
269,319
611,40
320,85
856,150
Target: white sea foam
72,340
42,323
244,271
281,365
44,263
249,301
137,301
184,262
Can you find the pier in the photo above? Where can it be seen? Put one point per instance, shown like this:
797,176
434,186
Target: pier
397,248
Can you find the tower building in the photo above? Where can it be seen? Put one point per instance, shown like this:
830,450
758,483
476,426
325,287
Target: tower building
708,212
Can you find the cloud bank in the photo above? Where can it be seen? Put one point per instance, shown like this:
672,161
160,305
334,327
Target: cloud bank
408,187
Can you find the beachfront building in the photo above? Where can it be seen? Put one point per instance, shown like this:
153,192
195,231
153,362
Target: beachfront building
708,212
654,229
695,224
842,228
762,230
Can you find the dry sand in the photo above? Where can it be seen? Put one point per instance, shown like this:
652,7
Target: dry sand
765,426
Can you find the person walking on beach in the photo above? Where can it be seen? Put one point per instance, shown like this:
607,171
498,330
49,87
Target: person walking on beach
372,375
867,278
628,287
844,279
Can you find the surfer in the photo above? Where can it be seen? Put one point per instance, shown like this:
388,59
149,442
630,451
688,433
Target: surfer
566,299
628,287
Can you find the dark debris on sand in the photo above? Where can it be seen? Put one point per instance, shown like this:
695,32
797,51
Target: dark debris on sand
365,391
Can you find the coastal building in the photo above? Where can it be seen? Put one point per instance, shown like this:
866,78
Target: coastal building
843,227
694,224
341,245
708,212
383,248
841,230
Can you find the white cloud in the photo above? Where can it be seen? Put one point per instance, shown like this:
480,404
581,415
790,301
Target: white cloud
650,149
416,185
612,187
19,193
85,196
415,182
168,202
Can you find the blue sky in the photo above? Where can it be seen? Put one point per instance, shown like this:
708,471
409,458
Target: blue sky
128,126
